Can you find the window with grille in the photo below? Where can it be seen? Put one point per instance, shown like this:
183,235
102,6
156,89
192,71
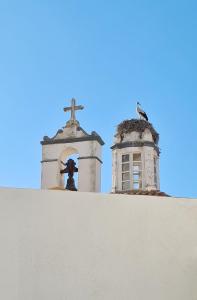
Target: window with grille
131,171
155,171
126,176
137,171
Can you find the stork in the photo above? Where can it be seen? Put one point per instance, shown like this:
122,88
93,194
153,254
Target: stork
141,113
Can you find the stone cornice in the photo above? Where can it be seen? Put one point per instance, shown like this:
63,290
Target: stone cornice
74,140
91,157
136,144
142,192
49,160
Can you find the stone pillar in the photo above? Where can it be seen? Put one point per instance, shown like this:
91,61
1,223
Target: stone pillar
89,174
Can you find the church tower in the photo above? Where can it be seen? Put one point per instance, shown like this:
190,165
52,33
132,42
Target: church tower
135,158
72,139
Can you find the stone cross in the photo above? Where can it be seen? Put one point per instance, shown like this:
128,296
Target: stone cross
73,108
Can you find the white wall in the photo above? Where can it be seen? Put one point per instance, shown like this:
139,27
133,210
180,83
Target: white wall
89,170
58,245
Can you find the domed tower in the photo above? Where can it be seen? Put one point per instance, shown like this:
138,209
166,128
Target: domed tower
135,157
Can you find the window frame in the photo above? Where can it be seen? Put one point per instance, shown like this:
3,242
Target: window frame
155,170
123,163
131,181
138,172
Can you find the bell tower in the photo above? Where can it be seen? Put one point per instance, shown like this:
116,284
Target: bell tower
72,139
135,157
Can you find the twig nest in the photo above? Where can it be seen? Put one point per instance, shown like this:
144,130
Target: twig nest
137,125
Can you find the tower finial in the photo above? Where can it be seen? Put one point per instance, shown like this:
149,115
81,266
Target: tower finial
72,109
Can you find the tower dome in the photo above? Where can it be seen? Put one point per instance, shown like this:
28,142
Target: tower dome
135,157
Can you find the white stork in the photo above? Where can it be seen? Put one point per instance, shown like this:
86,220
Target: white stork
141,113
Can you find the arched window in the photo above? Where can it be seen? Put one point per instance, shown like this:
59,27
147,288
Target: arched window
69,154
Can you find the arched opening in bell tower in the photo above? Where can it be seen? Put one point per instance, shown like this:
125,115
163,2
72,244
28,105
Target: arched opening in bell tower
69,169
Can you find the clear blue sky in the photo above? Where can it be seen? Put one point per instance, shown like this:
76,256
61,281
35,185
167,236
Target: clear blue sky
106,54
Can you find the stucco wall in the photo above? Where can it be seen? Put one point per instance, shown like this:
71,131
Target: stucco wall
58,245
89,170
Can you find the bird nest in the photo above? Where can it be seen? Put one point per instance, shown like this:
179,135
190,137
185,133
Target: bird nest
128,126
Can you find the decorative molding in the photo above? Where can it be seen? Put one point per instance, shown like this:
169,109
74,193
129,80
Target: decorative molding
91,157
74,140
46,138
136,144
142,192
79,128
48,160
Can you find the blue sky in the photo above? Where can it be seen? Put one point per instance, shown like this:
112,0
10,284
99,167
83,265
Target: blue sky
106,54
